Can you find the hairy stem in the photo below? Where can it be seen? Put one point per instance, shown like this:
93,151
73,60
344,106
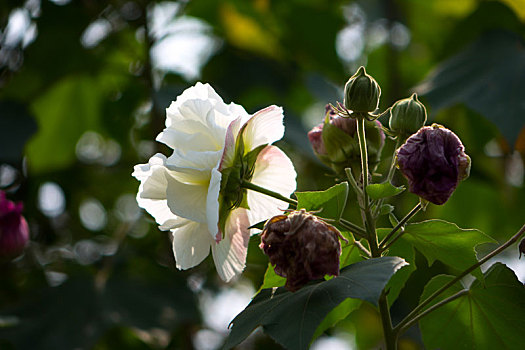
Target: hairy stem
369,222
383,245
408,319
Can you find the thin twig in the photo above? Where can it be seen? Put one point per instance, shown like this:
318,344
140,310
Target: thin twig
398,226
432,308
417,310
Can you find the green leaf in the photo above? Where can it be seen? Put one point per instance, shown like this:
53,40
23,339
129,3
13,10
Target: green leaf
446,242
489,316
292,318
480,77
386,209
271,279
340,312
332,201
406,251
383,190
64,113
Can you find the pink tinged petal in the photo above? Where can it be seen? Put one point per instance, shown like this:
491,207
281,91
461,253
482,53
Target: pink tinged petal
273,171
191,244
229,254
265,127
228,154
187,200
212,203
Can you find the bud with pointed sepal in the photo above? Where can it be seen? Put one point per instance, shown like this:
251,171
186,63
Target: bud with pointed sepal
407,116
362,92
335,142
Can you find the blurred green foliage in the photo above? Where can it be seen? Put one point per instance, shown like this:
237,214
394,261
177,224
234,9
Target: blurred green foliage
82,98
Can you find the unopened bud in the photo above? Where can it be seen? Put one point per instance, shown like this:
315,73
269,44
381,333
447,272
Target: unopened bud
336,144
14,231
407,116
362,92
301,247
434,162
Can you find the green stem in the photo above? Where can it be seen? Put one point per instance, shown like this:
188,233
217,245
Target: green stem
434,307
362,249
408,319
256,188
352,181
369,223
400,224
352,227
390,174
364,157
386,321
393,163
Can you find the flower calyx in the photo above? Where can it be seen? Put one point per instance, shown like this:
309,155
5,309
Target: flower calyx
407,116
361,93
232,193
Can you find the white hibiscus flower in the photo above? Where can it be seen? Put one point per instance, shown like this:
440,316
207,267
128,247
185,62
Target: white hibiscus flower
198,193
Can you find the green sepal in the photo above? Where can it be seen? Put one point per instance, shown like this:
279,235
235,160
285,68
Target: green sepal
383,190
232,195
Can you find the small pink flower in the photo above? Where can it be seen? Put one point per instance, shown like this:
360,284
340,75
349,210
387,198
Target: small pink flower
14,232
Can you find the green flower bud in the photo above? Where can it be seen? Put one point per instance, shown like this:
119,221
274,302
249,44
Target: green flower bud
362,92
336,144
407,116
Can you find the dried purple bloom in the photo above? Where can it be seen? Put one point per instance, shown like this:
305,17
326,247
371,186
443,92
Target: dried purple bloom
14,232
434,162
301,247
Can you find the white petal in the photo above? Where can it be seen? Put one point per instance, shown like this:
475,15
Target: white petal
273,171
187,200
196,140
191,244
152,191
195,160
265,127
212,203
229,254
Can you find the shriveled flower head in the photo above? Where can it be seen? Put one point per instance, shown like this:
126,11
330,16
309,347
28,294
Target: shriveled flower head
196,193
336,144
14,232
434,162
301,247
